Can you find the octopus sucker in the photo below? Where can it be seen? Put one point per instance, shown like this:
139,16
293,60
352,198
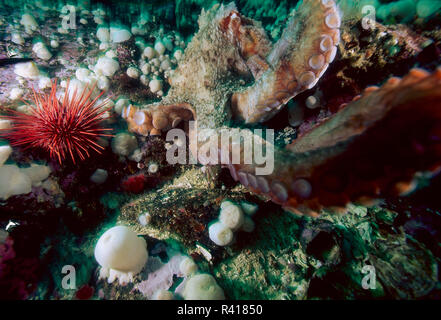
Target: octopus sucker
243,178
263,184
336,162
307,59
317,61
328,3
307,79
279,190
332,20
233,172
302,188
253,181
326,43
370,89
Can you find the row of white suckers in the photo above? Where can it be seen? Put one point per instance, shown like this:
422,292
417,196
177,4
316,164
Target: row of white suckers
319,63
300,187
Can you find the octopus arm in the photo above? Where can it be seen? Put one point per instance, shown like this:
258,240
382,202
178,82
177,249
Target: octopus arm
296,62
250,39
372,148
157,118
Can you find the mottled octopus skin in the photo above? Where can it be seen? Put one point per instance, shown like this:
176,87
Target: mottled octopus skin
152,121
297,61
229,45
239,46
254,46
370,149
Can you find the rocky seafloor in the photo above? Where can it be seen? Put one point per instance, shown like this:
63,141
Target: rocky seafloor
53,213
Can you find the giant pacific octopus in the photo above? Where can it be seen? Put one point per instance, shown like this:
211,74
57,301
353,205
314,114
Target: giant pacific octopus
371,148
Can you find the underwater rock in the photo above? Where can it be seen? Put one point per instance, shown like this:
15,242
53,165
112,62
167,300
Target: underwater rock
18,275
405,268
321,241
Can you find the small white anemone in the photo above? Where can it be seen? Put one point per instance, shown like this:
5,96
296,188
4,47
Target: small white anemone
106,66
220,234
133,72
155,85
27,70
5,152
124,144
188,266
153,167
248,225
41,51
99,176
119,34
231,215
202,287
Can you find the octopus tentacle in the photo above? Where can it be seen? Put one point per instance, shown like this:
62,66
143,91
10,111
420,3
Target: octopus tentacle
156,118
297,61
370,149
250,39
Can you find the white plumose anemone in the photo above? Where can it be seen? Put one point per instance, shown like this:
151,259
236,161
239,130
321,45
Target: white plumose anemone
220,234
121,254
231,215
188,266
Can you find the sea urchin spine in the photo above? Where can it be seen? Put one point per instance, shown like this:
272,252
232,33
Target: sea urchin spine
64,128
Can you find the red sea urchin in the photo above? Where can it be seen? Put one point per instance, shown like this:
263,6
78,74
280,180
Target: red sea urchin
64,128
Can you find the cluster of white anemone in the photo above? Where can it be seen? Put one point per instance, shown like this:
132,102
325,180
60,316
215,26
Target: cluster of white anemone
231,219
15,180
122,255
